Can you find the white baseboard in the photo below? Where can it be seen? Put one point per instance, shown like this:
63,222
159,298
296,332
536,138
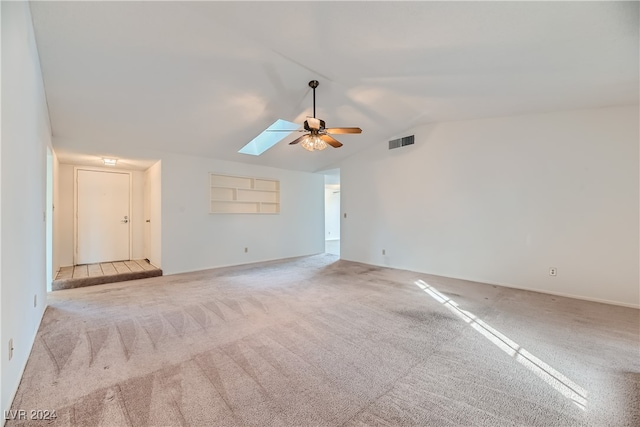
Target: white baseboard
511,286
239,264
559,294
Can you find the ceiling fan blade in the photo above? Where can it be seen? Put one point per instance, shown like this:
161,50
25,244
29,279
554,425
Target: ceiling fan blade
295,141
338,131
331,141
284,130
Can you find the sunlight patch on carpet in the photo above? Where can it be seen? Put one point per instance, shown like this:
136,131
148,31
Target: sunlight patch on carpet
549,375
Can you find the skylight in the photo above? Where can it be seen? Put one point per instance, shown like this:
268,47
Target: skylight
268,139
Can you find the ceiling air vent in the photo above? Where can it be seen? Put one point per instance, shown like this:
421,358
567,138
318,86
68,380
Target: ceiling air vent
401,142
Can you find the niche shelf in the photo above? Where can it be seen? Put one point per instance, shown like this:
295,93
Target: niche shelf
242,194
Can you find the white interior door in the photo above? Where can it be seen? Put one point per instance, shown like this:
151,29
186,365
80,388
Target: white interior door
103,216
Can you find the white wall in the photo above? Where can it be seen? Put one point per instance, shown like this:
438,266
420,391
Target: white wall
64,228
25,137
193,239
332,212
502,200
153,212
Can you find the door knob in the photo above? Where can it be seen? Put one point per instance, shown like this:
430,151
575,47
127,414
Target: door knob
125,220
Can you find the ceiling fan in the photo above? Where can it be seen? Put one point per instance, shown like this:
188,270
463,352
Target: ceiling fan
319,136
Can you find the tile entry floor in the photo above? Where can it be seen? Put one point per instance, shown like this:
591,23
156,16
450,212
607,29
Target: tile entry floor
106,272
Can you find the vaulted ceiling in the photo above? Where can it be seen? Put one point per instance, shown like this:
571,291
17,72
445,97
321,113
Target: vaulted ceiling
204,78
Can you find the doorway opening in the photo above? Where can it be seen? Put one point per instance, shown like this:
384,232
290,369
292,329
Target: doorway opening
332,212
103,221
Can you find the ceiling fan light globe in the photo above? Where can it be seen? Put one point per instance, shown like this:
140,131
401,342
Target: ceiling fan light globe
313,143
319,144
306,144
307,147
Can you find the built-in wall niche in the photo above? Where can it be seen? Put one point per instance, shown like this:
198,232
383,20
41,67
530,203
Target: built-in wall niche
243,194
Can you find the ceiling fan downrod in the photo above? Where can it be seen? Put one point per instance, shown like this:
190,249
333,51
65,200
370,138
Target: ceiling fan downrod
314,84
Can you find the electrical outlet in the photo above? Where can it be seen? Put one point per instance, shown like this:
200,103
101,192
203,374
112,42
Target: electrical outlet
10,348
384,252
246,250
553,271
35,300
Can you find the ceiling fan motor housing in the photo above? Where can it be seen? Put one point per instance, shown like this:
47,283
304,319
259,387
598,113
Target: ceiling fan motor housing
316,124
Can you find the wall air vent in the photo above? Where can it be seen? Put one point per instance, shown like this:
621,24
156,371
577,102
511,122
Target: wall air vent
401,142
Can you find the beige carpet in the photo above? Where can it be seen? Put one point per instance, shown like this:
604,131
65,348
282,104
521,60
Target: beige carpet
315,341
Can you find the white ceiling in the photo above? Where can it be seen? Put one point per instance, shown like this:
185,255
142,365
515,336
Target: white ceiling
204,78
